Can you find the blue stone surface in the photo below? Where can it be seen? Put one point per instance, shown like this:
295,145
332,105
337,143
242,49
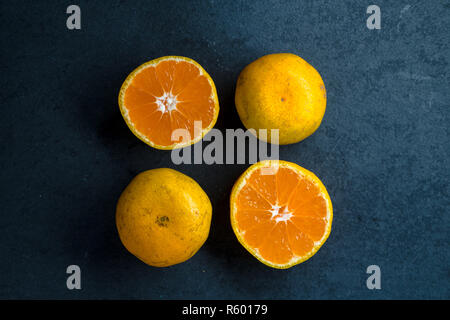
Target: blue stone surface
382,149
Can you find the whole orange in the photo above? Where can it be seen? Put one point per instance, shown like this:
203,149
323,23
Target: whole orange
281,91
163,217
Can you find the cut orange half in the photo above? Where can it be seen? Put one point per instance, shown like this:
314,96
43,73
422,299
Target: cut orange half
167,94
280,212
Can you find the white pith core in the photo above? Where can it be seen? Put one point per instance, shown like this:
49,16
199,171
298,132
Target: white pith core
280,215
167,102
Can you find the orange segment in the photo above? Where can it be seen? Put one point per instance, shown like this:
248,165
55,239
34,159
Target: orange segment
300,243
249,198
280,212
275,247
265,185
166,94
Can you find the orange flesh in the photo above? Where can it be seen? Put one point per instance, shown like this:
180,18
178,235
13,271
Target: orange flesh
149,100
281,215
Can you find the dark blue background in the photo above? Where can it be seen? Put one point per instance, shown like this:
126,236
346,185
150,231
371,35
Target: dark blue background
382,149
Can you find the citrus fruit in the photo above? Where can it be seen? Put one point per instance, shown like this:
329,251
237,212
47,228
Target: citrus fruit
281,91
280,212
166,94
163,217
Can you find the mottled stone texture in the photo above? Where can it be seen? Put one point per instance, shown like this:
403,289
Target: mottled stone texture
382,149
